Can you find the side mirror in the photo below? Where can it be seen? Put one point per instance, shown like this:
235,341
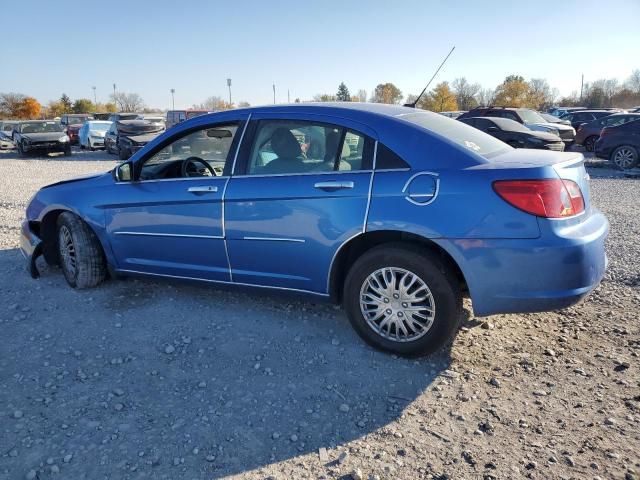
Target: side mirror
123,172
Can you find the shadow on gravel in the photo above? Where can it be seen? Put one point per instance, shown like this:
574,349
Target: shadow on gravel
138,379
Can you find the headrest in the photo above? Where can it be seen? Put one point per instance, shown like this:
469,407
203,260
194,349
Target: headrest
284,144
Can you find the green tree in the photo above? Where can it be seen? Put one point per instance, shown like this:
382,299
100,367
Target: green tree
83,105
513,92
343,93
386,93
65,102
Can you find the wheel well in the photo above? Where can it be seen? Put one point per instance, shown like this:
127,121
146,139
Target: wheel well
48,230
356,247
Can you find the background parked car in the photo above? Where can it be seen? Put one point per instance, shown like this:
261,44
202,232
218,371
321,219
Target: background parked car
529,118
126,137
553,119
72,124
6,134
176,116
116,117
44,136
91,134
588,133
620,144
101,115
516,134
559,111
155,119
453,113
579,117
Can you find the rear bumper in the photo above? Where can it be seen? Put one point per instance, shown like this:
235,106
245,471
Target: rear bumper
30,247
552,272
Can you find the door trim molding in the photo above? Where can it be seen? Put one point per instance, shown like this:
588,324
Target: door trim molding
276,239
160,234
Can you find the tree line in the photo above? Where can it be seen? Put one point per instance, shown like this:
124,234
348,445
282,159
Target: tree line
514,91
460,94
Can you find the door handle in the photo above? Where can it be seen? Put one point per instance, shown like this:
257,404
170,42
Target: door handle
202,189
333,185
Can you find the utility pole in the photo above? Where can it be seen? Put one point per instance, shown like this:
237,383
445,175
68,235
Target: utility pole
581,87
274,93
114,96
229,85
95,100
173,100
288,96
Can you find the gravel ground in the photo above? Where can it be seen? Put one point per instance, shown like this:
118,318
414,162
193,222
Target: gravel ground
139,379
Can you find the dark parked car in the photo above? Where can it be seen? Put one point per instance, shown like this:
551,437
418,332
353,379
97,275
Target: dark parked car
585,116
553,119
620,144
174,117
588,133
529,118
44,136
116,117
516,134
559,111
6,133
394,212
126,137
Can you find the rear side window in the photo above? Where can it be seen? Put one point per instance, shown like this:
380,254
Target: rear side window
387,159
467,137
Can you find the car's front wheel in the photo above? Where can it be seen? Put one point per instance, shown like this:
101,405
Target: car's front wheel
402,299
590,143
625,157
81,256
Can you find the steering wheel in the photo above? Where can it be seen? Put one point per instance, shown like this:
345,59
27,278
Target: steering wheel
190,169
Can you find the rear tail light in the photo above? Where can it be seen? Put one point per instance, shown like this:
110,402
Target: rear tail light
549,198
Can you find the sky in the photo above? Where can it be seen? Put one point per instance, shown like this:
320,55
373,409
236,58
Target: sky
307,47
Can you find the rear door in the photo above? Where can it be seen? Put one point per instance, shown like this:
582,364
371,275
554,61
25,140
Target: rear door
300,189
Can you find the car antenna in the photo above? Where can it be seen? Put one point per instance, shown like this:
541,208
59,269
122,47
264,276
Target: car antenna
415,102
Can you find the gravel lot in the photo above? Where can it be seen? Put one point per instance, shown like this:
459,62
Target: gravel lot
139,379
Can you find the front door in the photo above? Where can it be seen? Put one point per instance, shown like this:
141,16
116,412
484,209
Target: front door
169,221
300,191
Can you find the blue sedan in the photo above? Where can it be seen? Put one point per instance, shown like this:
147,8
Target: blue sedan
397,213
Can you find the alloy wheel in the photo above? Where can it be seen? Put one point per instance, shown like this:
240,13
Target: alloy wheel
397,304
67,250
624,158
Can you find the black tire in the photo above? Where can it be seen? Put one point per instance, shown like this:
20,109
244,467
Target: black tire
123,154
427,266
590,143
89,267
622,161
67,151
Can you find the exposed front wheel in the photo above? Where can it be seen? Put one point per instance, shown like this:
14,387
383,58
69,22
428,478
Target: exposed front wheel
625,157
590,143
81,256
402,300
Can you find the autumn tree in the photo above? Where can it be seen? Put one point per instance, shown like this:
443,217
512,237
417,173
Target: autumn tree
128,102
243,104
485,96
440,99
466,93
29,108
540,96
633,82
83,105
343,94
214,104
361,96
324,97
513,92
386,93
65,103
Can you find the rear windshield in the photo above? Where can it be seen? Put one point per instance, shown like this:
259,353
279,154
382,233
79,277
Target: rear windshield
464,135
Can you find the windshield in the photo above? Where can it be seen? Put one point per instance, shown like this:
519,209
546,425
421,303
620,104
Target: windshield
529,116
100,126
7,127
464,135
40,127
78,119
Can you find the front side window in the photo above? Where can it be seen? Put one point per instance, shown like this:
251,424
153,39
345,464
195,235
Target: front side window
290,147
201,153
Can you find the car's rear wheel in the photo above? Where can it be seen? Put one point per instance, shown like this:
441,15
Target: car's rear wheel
590,143
625,157
67,151
402,299
81,256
